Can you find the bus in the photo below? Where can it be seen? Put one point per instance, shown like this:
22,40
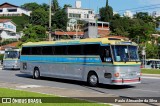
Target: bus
11,59
94,60
152,63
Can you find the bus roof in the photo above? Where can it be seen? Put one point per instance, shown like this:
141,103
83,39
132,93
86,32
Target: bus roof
12,49
83,41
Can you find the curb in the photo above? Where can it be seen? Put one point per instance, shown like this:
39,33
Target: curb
151,75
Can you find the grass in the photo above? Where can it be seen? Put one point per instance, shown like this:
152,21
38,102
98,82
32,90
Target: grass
150,71
5,92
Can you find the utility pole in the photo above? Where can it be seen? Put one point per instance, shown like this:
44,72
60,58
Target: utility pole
50,5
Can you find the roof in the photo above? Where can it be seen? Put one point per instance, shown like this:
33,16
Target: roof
68,33
79,8
4,20
6,5
14,44
7,20
80,41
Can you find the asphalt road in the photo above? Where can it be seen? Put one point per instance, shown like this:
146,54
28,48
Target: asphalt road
150,87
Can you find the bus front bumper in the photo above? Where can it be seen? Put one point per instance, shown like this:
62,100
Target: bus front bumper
11,67
126,81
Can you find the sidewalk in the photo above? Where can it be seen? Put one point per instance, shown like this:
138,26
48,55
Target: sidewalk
151,75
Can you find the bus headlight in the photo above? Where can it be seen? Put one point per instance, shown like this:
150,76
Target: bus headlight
116,74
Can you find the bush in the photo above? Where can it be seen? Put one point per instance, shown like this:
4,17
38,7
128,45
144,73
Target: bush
1,56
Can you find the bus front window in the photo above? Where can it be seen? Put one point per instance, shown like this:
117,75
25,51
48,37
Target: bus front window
120,53
133,53
11,54
123,53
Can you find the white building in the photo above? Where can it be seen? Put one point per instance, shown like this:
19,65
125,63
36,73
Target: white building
8,29
155,14
80,13
128,14
7,9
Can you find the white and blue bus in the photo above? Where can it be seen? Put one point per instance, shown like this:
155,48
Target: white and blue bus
99,60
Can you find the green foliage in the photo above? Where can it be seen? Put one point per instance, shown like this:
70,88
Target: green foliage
39,17
55,6
151,49
31,6
158,40
1,56
66,5
8,41
59,20
106,14
150,71
143,16
34,33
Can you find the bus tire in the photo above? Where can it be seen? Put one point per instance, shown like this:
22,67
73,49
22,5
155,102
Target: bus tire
36,73
92,79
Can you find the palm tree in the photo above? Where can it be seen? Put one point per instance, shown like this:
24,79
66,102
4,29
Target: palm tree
55,6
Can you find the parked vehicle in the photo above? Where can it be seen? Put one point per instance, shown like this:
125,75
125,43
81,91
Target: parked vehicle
11,59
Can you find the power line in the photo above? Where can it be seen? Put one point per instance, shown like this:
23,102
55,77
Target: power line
144,9
140,7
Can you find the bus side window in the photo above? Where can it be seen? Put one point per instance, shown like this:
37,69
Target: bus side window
106,54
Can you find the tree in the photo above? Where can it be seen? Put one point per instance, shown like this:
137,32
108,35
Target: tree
45,6
55,6
144,16
60,19
31,6
34,33
106,13
66,5
39,17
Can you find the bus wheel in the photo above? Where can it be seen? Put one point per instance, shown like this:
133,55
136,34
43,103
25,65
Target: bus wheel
36,74
92,79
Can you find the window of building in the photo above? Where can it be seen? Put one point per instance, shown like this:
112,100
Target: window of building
1,10
47,50
26,51
72,15
60,50
74,50
90,12
12,10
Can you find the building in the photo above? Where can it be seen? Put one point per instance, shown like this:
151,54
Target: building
80,13
58,35
155,14
94,29
128,14
8,29
7,9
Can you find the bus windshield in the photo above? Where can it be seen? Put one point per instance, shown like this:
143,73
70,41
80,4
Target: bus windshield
11,54
125,53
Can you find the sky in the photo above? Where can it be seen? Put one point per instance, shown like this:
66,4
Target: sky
96,4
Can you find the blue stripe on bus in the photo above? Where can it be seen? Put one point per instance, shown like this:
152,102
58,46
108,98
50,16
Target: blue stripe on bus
61,59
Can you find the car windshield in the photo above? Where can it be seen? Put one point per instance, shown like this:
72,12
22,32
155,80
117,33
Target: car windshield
11,54
125,53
